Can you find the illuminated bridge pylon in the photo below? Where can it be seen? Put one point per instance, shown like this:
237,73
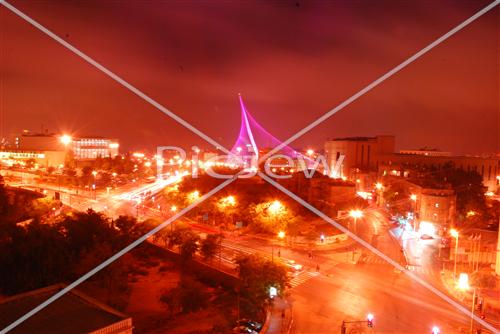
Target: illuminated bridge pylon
253,138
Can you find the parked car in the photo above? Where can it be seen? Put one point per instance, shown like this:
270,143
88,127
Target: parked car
243,330
253,325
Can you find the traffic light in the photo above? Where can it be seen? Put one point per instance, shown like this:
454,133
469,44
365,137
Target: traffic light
369,320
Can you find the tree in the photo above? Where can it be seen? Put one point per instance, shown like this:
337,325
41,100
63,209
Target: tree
171,299
193,296
397,195
483,280
174,237
86,229
210,245
188,296
189,246
258,275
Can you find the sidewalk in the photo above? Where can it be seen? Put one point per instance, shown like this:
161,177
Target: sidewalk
280,318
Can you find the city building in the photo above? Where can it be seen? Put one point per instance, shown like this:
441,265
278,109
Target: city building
427,152
51,150
89,148
367,157
74,312
487,167
438,206
361,155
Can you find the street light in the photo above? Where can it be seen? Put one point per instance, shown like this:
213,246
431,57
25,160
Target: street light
355,214
435,330
378,186
454,233
369,319
193,196
65,139
413,197
275,207
463,285
280,235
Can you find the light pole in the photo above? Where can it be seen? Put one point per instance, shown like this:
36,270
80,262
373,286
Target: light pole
355,214
454,233
379,187
94,173
463,284
281,236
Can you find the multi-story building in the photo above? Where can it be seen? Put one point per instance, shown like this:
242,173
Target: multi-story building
365,157
51,150
361,154
487,167
88,148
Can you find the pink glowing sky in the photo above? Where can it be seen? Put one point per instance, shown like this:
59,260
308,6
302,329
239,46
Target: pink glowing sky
291,61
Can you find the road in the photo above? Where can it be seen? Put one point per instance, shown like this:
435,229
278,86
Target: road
341,290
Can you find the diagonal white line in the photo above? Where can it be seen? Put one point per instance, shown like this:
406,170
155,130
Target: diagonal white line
113,76
115,256
213,142
377,252
382,78
150,101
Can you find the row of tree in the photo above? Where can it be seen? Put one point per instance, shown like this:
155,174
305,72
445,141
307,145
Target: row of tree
40,254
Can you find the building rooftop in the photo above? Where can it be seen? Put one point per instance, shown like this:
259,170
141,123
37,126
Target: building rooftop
73,313
353,139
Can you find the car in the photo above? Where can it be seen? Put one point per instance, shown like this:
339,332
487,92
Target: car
292,266
253,325
243,330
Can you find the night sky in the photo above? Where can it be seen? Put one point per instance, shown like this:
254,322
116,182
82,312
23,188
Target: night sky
292,62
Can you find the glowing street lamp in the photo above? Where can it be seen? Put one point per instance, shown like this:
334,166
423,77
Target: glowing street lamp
65,139
94,173
379,186
310,152
369,319
454,233
193,196
413,197
463,285
281,235
275,207
435,330
355,214
463,282
228,201
173,208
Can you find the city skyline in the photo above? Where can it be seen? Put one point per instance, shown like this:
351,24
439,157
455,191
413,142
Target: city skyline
257,167
323,68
